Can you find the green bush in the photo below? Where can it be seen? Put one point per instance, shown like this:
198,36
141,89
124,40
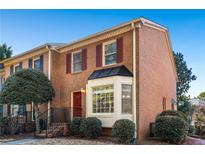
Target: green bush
171,129
83,128
3,121
191,130
202,131
174,113
90,127
75,125
123,130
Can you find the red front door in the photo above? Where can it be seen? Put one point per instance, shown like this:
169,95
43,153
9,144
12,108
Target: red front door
77,105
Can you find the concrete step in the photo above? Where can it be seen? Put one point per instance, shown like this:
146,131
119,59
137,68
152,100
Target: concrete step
54,130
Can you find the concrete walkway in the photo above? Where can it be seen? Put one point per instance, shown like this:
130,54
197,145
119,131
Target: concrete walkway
194,141
79,141
19,141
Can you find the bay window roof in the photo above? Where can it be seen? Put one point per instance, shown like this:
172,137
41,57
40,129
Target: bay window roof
113,71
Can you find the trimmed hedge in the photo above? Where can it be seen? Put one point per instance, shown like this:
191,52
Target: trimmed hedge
3,121
203,131
191,130
174,113
123,130
83,128
171,129
90,127
75,125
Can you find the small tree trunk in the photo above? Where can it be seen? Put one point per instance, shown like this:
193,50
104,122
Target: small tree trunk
36,117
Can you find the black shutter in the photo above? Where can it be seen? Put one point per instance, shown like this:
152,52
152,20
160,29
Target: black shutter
99,55
119,49
30,63
84,59
41,63
11,70
68,63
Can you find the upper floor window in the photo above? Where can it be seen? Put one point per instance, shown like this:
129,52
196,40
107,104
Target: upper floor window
17,68
37,64
110,52
77,62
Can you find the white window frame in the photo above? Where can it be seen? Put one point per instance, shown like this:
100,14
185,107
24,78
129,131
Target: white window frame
17,65
108,119
11,110
72,66
103,57
131,99
14,105
33,62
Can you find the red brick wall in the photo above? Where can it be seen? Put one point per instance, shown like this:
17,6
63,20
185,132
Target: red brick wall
67,83
156,77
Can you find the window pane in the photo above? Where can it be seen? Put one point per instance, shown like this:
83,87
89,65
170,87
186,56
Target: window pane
37,64
77,57
77,67
103,100
110,59
126,98
22,109
110,48
110,53
17,68
14,110
77,62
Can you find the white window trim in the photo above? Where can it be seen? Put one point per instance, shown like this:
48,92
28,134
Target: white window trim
72,71
14,105
17,65
11,111
103,57
108,119
35,59
131,99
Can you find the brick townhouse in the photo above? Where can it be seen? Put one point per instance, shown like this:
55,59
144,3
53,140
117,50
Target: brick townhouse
125,72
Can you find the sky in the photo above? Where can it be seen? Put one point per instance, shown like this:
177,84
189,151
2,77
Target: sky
27,29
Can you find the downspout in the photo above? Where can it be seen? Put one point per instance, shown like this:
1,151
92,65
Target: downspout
49,77
134,76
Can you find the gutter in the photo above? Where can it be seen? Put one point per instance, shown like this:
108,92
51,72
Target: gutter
49,77
134,76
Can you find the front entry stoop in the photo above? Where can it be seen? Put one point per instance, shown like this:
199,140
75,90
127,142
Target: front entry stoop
54,130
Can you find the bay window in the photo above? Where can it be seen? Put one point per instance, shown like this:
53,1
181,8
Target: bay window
103,99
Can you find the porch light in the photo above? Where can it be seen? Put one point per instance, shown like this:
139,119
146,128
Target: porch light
82,90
